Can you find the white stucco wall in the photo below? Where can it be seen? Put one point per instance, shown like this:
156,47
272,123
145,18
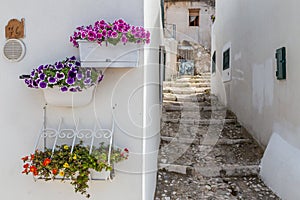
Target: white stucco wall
171,58
263,104
48,26
178,13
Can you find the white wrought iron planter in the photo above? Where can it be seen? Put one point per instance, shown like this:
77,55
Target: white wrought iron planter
109,55
50,138
55,97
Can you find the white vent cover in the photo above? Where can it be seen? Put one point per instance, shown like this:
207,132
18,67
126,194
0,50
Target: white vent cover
14,50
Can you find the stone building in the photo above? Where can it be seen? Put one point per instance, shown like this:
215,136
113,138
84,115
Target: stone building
190,20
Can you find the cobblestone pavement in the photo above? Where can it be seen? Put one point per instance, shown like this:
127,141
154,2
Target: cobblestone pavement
204,152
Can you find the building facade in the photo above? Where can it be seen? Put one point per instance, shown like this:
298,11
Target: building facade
190,19
252,44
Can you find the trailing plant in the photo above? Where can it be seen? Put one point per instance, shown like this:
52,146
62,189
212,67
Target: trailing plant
66,74
74,166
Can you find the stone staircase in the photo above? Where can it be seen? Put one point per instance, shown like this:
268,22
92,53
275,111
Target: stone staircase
203,148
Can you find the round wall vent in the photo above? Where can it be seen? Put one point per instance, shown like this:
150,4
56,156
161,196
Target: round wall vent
14,50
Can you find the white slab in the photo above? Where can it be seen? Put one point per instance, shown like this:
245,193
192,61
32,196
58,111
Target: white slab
280,168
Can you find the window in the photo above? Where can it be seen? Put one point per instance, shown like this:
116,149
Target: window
213,63
194,17
226,59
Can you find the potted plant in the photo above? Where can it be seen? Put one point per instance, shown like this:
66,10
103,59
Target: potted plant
65,83
75,166
108,44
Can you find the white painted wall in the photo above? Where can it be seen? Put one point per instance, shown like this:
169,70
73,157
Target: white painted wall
178,13
171,58
263,104
48,26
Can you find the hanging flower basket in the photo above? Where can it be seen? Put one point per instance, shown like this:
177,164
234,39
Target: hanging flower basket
54,96
65,83
107,44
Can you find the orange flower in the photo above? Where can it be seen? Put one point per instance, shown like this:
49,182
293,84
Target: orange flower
47,161
33,169
25,158
26,165
54,171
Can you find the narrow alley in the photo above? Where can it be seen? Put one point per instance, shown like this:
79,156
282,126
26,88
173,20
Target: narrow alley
204,152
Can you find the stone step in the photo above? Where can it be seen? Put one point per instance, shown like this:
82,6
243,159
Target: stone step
188,90
221,131
200,97
197,141
199,114
186,84
197,80
199,121
168,107
213,171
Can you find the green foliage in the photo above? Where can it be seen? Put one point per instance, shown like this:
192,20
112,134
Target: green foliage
73,166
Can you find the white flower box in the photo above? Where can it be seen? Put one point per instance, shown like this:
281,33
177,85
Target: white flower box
103,175
55,97
118,56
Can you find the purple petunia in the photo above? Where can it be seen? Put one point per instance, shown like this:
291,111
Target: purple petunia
60,75
87,81
70,81
67,75
118,31
64,89
52,80
43,84
42,76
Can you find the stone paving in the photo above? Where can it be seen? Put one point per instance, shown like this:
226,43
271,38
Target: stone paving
204,152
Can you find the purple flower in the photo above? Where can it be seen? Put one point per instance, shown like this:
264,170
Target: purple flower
64,89
87,81
100,78
60,75
77,64
70,81
41,67
99,36
59,66
73,58
124,39
52,80
72,74
104,32
114,34
91,35
79,76
43,84
42,76
88,73
73,90
32,74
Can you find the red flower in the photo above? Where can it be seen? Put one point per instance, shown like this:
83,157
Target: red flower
32,168
25,158
126,150
31,156
35,173
25,171
46,162
26,165
54,171
122,154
